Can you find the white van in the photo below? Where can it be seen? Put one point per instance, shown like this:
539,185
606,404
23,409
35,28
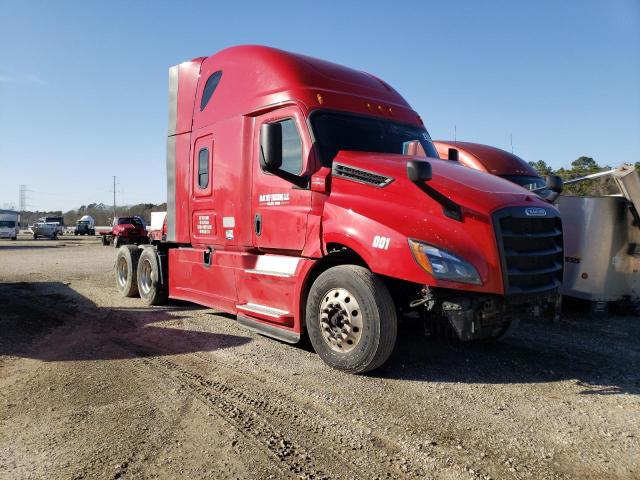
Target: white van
9,224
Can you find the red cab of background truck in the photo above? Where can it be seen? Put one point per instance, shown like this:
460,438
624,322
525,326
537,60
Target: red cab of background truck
293,202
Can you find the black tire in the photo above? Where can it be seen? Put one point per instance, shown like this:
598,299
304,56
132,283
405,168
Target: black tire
92,232
105,240
35,237
14,238
150,286
75,233
375,312
126,270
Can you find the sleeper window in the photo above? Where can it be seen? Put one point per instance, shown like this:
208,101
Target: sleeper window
209,88
203,168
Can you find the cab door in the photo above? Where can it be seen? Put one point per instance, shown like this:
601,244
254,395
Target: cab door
203,215
280,206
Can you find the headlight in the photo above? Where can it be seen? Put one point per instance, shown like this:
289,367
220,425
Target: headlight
443,265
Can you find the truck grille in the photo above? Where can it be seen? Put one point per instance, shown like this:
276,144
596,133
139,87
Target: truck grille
530,249
360,176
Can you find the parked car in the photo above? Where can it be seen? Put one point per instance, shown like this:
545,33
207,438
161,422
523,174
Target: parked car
125,231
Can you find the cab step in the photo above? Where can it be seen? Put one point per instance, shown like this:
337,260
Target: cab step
265,313
273,331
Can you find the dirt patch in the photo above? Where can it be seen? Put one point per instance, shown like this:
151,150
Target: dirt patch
97,386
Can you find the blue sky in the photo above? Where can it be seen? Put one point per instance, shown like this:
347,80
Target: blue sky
83,84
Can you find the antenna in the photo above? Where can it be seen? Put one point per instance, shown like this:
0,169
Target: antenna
114,196
511,141
455,134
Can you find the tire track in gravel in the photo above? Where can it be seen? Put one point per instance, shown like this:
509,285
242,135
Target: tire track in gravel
235,408
322,436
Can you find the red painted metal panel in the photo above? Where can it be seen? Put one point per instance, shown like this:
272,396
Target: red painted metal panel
183,188
486,158
211,285
282,206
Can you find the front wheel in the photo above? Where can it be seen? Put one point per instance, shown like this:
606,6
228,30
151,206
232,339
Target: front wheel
351,319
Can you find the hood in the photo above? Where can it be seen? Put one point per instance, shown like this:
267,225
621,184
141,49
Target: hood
486,158
371,195
126,226
476,192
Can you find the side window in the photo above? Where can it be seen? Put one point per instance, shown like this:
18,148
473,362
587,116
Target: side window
291,147
209,88
203,168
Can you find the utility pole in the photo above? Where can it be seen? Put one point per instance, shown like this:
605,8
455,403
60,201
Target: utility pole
455,134
114,197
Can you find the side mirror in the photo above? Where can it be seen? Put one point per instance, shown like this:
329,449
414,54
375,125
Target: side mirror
554,183
413,148
454,155
271,146
552,190
418,171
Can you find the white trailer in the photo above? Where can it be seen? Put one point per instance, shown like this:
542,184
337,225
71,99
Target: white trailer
602,242
9,224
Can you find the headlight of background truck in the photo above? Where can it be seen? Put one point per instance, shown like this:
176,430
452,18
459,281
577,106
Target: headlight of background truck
443,265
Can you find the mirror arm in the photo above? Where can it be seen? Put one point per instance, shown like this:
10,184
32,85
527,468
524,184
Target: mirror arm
300,181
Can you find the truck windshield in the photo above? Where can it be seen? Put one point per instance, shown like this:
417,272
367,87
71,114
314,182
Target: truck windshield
7,224
528,182
339,131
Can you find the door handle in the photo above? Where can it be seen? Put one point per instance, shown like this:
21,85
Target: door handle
257,224
206,257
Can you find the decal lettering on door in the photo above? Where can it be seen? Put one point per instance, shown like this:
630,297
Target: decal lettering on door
273,199
204,226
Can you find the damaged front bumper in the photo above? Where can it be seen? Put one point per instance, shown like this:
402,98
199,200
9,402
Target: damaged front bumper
483,316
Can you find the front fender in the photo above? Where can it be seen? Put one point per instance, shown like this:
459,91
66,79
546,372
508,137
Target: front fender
385,251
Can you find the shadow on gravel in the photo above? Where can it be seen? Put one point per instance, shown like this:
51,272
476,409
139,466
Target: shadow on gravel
601,355
49,321
28,247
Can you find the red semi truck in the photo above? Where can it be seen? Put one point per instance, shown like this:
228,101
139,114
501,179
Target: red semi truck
501,163
294,203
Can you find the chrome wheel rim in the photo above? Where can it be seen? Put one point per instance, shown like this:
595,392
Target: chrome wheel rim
340,319
146,281
122,272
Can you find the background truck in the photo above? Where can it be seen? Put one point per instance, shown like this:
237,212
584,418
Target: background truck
45,229
59,221
125,231
85,226
157,231
9,224
294,202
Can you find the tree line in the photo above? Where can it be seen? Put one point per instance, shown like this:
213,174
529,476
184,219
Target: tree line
581,167
103,214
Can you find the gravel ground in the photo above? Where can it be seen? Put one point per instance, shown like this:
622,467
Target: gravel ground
97,386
